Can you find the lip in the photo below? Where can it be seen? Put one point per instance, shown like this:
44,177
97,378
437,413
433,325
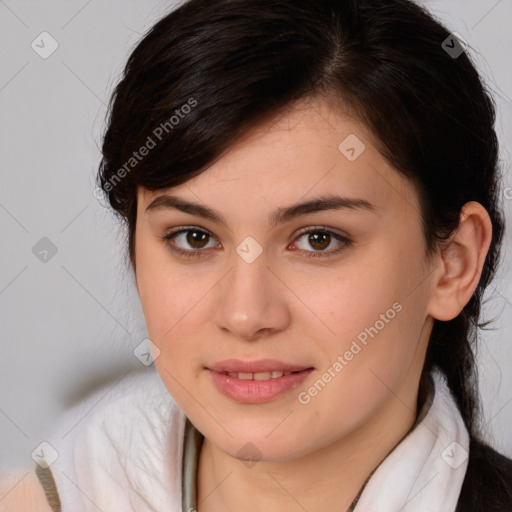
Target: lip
261,365
256,391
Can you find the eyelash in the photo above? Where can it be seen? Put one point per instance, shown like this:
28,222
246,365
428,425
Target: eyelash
346,242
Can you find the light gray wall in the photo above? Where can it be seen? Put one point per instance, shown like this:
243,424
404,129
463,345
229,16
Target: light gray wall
72,322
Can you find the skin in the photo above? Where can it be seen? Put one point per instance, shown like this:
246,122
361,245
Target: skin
21,492
301,310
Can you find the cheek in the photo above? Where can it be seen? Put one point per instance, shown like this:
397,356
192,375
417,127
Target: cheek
352,297
165,291
171,306
370,317
364,365
160,292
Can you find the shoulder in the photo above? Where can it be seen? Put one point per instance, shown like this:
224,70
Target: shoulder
22,491
137,394
110,442
124,445
487,486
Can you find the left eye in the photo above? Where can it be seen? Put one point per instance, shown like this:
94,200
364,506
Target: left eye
321,239
318,239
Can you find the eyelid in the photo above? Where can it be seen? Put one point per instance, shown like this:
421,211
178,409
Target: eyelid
327,229
298,233
184,229
344,239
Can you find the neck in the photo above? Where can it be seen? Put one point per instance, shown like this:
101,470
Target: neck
326,479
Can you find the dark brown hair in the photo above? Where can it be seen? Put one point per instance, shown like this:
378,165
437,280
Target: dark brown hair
208,71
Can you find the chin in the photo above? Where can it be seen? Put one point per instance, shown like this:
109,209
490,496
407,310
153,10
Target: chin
256,444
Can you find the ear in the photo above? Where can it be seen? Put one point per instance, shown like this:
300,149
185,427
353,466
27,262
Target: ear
460,263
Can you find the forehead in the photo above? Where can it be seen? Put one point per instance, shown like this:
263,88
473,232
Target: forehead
313,148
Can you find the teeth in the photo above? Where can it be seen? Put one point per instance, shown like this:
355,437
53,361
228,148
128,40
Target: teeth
261,376
258,375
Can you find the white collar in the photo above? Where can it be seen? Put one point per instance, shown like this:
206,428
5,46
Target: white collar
426,470
101,464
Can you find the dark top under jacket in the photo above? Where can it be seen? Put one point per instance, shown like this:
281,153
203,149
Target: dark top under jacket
487,486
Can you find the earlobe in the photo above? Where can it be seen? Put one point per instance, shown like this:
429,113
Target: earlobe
460,262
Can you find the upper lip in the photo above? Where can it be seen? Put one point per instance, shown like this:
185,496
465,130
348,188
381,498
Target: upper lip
261,365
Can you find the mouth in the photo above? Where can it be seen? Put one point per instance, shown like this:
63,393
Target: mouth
256,381
239,366
274,374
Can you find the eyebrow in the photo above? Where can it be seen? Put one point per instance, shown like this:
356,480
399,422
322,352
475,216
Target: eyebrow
279,216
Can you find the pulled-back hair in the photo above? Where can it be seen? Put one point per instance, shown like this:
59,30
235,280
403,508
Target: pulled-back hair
208,71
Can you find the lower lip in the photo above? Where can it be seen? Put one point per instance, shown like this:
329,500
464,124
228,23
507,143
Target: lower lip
257,391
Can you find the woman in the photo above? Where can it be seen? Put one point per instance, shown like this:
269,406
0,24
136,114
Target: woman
311,196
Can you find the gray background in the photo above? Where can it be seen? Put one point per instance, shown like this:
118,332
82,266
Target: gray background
71,323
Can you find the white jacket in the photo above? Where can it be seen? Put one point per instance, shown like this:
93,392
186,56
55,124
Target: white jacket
121,448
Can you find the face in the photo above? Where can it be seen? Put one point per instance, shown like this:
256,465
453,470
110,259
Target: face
334,292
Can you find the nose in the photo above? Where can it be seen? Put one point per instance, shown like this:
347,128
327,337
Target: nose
251,301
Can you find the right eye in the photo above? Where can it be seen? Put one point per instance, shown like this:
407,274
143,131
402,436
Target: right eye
193,236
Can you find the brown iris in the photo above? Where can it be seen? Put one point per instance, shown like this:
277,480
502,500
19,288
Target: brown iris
195,238
318,238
